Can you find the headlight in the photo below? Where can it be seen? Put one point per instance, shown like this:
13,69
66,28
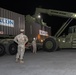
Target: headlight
41,40
63,40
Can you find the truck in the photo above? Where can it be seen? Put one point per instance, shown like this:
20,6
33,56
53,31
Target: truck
10,25
52,43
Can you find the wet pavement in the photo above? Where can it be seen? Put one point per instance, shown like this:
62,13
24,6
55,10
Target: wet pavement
43,63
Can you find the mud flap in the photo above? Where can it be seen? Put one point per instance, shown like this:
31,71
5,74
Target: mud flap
2,50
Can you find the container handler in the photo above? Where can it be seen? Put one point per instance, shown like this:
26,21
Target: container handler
52,43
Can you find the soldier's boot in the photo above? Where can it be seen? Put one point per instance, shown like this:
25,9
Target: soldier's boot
17,59
21,61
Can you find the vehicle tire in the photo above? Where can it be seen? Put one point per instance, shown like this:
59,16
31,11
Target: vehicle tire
13,48
50,44
2,50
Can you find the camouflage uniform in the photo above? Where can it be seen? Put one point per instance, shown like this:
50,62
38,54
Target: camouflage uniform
34,45
21,40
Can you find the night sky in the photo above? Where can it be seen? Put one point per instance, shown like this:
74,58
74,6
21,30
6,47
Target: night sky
26,7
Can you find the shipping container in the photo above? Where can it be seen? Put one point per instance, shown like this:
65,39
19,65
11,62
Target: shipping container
11,22
32,30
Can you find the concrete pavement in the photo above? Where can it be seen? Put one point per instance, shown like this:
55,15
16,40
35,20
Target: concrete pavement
43,63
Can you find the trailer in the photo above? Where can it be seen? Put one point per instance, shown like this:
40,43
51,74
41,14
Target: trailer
10,25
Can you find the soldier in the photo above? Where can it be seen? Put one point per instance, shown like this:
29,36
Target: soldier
21,40
34,45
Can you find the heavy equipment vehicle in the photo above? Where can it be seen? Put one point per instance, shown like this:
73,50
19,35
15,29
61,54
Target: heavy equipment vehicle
52,43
